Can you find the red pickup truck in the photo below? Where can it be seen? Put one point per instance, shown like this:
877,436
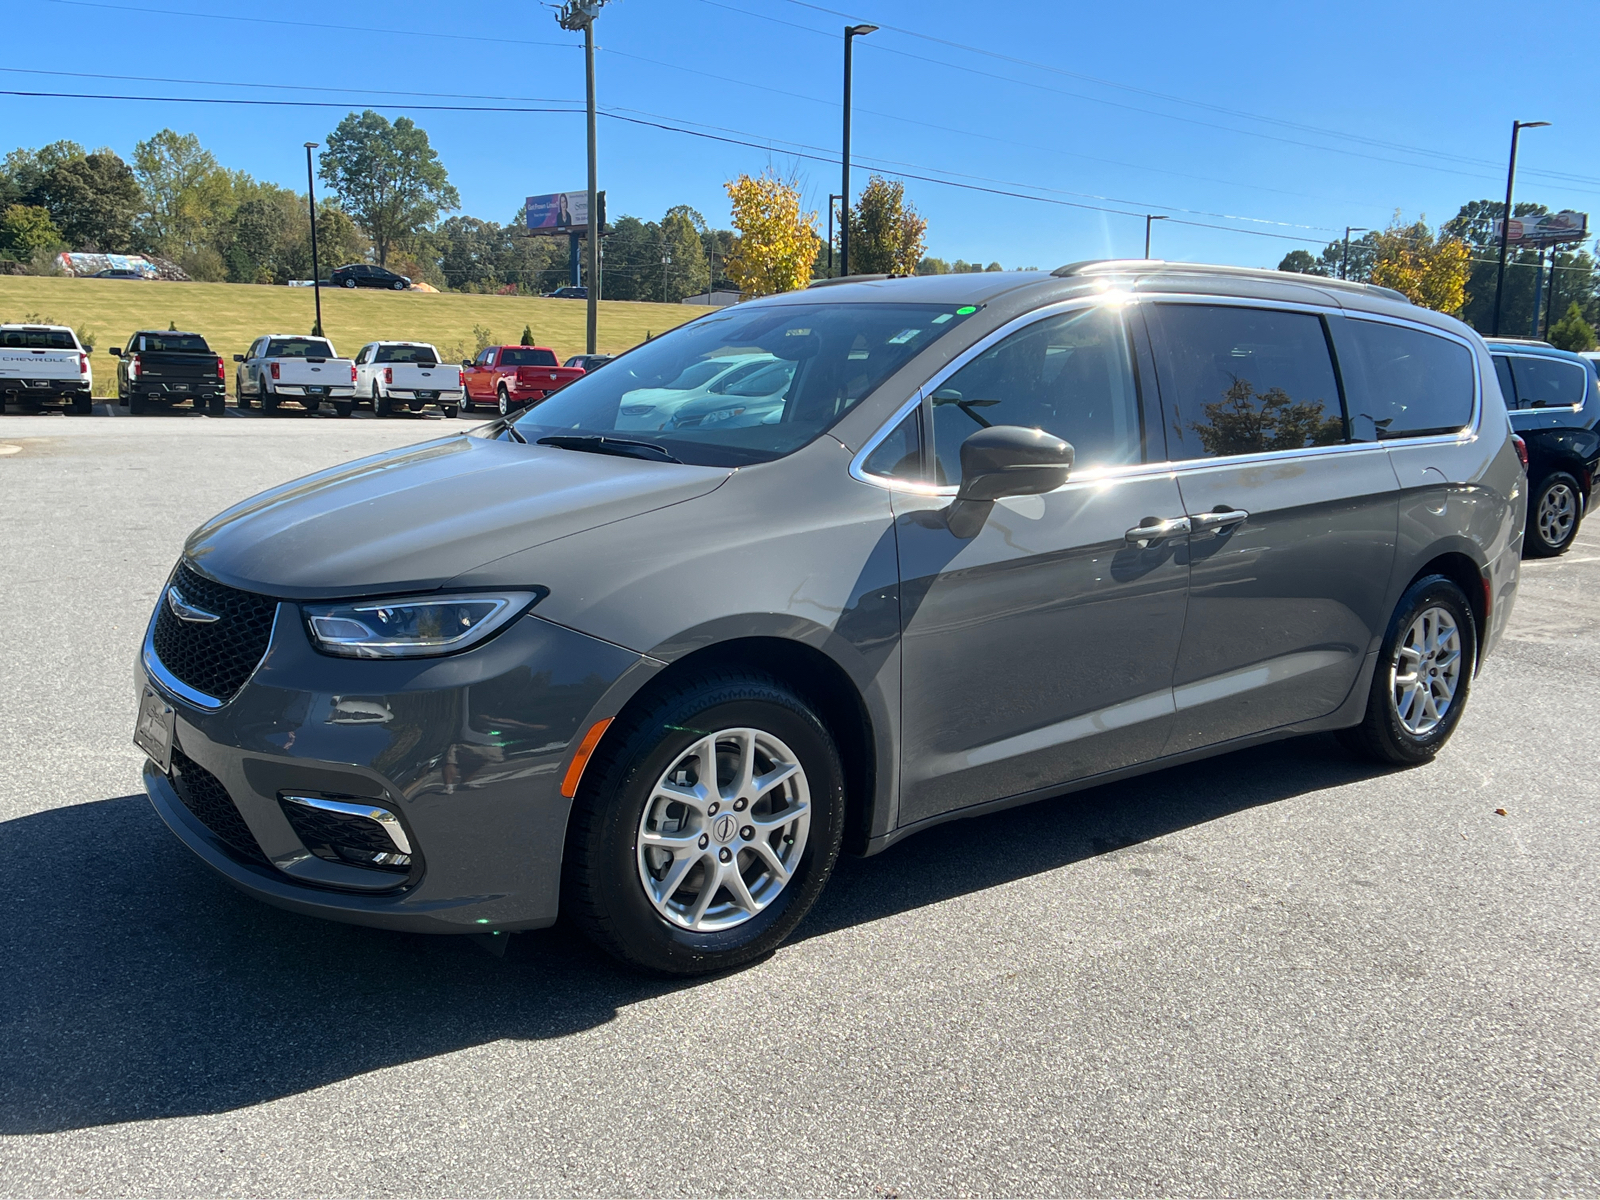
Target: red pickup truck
509,377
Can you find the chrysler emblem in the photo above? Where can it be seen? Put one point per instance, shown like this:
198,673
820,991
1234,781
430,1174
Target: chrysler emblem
185,611
724,827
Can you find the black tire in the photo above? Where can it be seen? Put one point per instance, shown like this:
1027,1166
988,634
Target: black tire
601,887
136,405
311,404
349,283
1548,534
269,401
398,286
217,406
504,403
83,405
381,404
449,411
343,407
1381,736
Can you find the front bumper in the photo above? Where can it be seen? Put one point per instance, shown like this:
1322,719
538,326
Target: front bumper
467,750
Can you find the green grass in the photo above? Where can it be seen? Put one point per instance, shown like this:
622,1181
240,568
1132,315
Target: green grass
232,315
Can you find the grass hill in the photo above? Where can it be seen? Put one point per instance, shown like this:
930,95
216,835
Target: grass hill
232,315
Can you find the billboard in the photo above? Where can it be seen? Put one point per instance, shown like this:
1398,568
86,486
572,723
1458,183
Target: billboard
1549,230
562,212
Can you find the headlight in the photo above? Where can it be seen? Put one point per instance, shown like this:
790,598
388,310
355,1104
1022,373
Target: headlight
412,628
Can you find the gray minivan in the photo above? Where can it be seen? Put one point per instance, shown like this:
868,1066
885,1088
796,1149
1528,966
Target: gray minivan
1003,536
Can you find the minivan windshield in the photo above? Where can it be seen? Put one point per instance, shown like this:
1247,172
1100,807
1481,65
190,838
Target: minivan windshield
748,384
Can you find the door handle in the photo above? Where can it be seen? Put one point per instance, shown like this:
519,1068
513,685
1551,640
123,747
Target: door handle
1156,529
1218,520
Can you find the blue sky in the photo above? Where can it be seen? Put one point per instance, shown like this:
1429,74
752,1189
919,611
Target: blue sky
1281,119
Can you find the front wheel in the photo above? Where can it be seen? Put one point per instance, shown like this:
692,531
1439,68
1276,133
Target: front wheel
1555,510
398,286
505,403
706,826
1424,673
217,406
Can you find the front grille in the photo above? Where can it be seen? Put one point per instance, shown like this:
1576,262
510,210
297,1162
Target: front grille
345,837
202,794
213,657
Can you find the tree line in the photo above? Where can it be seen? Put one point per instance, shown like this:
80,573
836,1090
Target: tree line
1454,269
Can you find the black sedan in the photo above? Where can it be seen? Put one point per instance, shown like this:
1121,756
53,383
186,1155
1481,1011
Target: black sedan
367,275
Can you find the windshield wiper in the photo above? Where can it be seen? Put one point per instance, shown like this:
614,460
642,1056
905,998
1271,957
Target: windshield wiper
510,427
621,447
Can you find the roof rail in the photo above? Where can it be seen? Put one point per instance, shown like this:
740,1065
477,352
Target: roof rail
816,283
1103,266
1522,341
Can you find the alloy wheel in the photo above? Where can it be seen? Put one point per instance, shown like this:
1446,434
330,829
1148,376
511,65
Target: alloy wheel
724,830
1426,671
1558,509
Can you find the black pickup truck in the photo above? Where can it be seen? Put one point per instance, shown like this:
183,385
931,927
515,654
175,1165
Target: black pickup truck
169,367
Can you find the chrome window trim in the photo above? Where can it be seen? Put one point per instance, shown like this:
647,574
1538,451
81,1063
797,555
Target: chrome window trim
176,687
1588,382
1466,434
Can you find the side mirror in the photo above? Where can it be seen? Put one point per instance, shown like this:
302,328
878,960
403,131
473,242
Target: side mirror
238,358
466,362
1005,460
114,350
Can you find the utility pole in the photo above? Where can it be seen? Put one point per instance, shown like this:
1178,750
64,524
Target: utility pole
851,32
831,199
1550,294
666,261
1344,259
311,203
573,16
1505,219
1149,219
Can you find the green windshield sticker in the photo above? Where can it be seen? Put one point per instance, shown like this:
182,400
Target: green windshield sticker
970,308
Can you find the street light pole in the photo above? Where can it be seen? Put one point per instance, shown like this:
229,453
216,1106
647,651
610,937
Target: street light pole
1505,218
573,16
831,199
311,203
851,32
1550,293
1344,260
1148,219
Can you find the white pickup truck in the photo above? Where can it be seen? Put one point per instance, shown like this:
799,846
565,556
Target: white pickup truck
408,374
41,364
288,366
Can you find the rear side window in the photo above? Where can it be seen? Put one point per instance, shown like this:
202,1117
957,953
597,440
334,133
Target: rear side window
1070,375
1244,380
1404,382
528,357
408,354
38,339
1508,389
1548,382
299,348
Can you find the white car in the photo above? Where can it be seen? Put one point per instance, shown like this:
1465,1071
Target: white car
407,374
654,408
40,364
292,366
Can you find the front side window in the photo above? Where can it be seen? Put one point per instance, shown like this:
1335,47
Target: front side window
825,358
899,455
1411,383
1070,375
299,348
1548,382
1244,380
1508,389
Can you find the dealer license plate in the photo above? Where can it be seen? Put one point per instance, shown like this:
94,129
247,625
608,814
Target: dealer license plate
427,395
316,391
180,387
153,731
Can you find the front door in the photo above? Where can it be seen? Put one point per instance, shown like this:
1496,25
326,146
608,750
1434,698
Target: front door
1292,524
1040,650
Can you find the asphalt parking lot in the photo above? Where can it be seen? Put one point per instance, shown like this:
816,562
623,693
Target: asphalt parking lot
1278,971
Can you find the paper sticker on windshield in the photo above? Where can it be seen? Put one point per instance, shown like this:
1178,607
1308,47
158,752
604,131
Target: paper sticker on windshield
904,336
942,318
796,332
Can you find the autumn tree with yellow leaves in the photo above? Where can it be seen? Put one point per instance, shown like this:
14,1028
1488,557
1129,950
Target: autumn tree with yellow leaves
777,242
1427,268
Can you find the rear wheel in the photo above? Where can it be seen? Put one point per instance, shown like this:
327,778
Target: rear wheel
449,411
269,398
381,404
349,283
343,407
218,406
706,826
1555,510
82,405
1424,673
136,405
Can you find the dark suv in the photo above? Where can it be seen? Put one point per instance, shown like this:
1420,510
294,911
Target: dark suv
1554,400
366,275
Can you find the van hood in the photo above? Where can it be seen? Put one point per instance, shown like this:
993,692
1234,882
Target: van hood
413,519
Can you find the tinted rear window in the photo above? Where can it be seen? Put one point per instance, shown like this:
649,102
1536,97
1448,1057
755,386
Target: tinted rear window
1244,380
1548,382
1404,382
299,348
528,357
38,339
407,354
174,343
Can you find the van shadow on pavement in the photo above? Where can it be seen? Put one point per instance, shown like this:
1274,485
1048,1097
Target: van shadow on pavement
136,985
